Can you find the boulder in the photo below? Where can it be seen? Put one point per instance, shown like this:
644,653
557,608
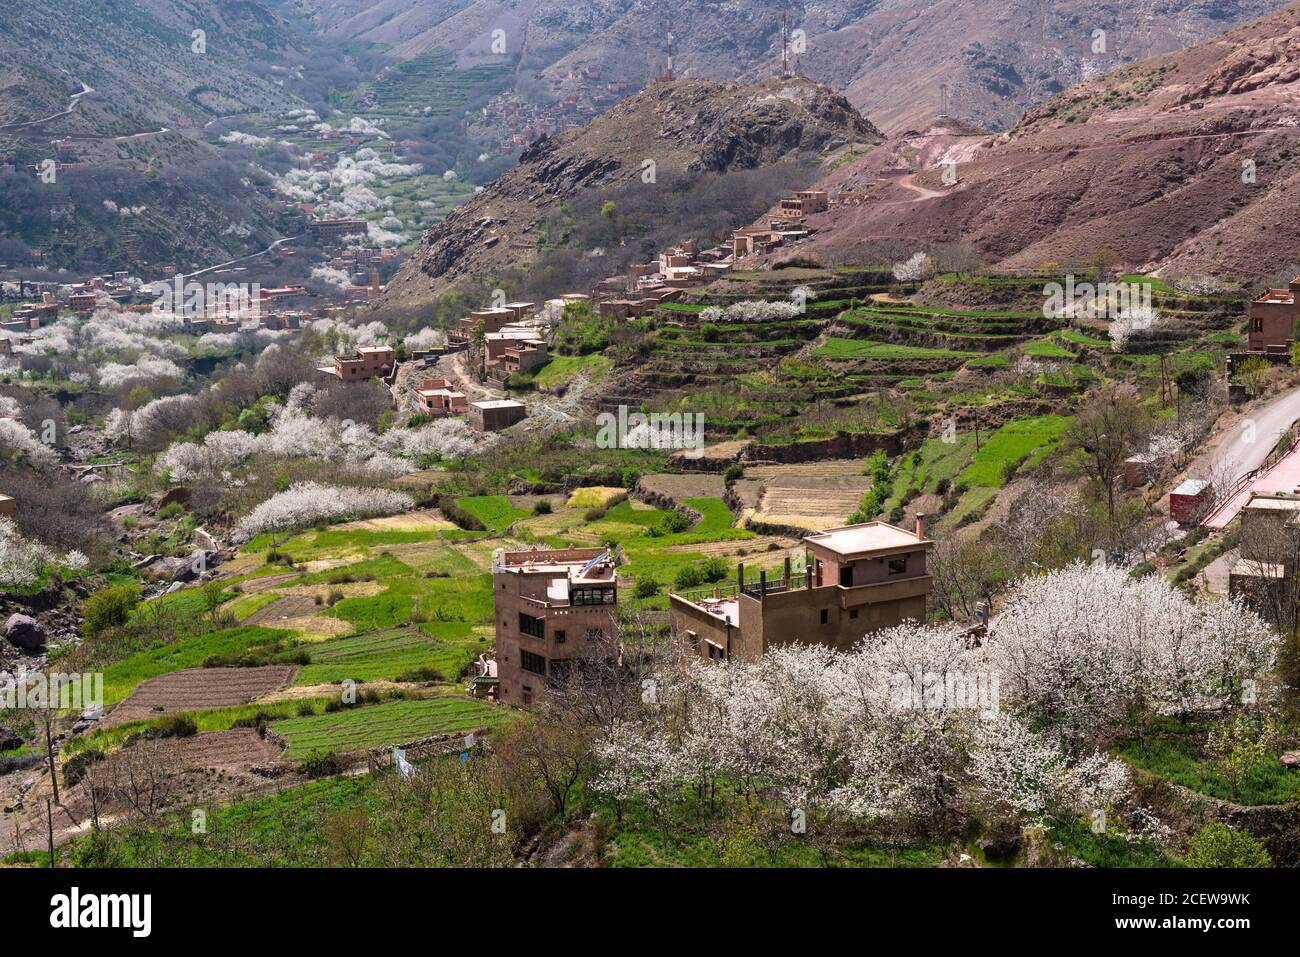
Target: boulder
204,540
25,632
1291,759
179,494
9,740
172,569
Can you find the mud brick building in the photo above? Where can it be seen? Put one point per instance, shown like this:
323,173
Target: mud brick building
437,397
1273,317
366,363
492,415
337,228
551,606
859,579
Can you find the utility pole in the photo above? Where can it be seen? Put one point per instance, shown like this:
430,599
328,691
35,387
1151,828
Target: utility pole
669,74
785,44
49,826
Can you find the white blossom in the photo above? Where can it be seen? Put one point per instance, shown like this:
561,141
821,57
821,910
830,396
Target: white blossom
311,503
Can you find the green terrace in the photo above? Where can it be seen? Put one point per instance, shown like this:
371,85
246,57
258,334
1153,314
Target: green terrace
429,85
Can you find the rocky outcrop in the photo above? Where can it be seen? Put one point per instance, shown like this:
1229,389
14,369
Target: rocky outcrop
687,127
25,632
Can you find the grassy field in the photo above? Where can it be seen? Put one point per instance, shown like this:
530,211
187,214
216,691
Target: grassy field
494,511
1012,445
389,723
837,348
1175,751
212,719
562,370
1046,349
385,655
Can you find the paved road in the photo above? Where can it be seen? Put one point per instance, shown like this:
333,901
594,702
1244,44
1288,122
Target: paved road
72,103
1243,447
231,262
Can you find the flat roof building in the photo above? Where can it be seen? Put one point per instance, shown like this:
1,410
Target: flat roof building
1273,317
857,579
550,606
492,415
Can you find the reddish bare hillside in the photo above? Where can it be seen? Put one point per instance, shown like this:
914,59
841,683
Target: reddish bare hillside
1188,162
891,58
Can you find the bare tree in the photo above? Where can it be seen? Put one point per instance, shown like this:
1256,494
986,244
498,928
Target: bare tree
1109,426
144,776
965,572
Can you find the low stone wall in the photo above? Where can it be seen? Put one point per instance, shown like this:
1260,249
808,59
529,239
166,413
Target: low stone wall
843,445
1277,825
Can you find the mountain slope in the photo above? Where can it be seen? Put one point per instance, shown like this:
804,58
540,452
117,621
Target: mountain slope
891,57
691,131
129,84
141,56
1187,162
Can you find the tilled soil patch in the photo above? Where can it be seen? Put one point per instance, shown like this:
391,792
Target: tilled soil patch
198,689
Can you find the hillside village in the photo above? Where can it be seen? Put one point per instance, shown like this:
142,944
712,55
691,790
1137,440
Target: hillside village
788,541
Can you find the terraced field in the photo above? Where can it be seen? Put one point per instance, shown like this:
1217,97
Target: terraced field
429,85
389,656
390,723
812,495
197,689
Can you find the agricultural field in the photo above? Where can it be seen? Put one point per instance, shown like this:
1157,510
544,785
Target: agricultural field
387,724
428,85
810,496
391,655
198,689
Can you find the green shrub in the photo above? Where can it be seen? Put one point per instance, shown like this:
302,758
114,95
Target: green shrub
734,471
542,507
688,577
675,521
715,569
320,764
422,674
1219,845
177,726
646,588
109,608
74,769
171,510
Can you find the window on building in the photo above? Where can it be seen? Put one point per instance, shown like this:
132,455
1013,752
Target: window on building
897,566
595,634
826,616
560,668
558,636
853,613
528,695
593,596
532,662
532,626
846,576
